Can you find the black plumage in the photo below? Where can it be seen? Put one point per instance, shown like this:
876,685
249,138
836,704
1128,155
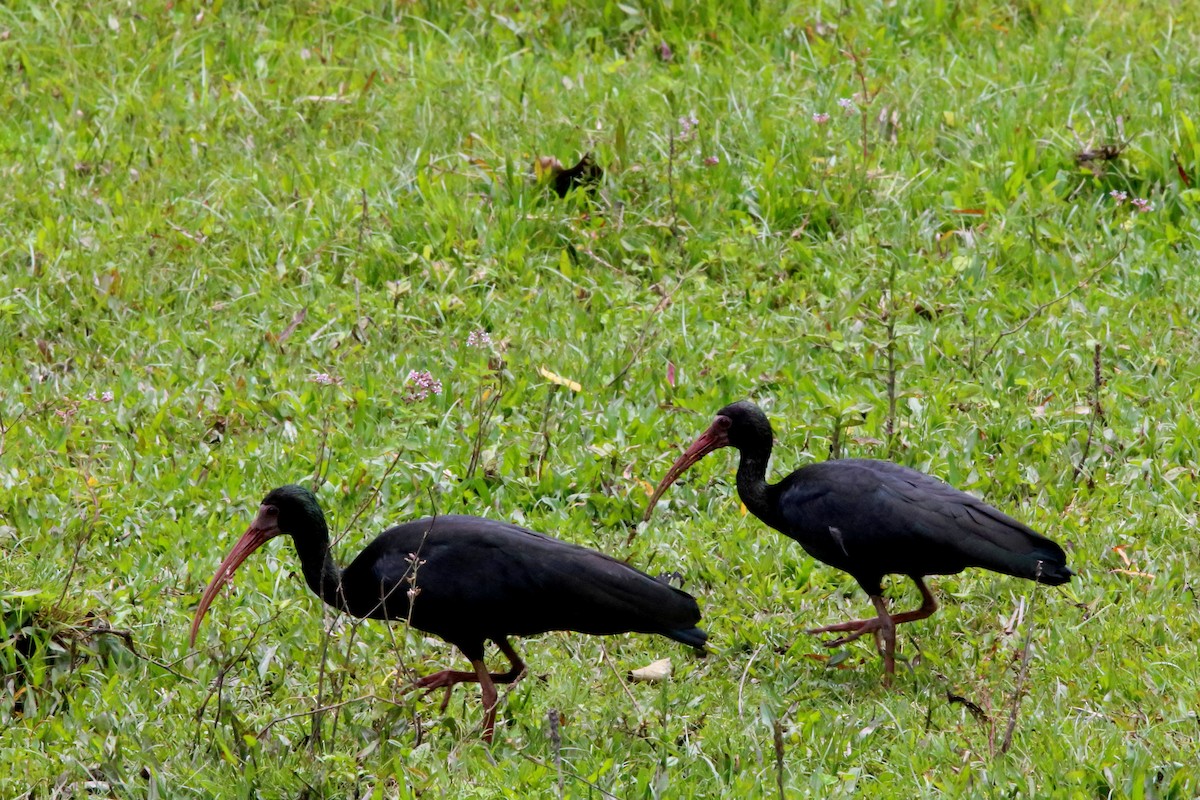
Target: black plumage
873,518
586,174
467,580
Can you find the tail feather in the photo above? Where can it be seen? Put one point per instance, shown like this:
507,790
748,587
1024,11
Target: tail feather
672,579
692,637
1051,568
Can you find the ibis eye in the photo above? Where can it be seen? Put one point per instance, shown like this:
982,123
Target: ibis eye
272,511
723,423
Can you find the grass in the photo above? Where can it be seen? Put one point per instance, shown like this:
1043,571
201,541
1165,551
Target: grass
214,206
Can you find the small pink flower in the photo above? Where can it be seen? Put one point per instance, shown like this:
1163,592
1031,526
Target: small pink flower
421,385
671,374
480,339
325,379
847,104
106,397
1120,197
820,117
687,127
712,161
1143,205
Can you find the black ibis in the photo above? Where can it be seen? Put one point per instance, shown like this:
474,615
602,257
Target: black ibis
585,174
467,579
873,518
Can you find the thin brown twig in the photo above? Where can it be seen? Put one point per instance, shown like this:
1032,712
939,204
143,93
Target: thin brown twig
1038,310
198,238
219,683
1097,382
314,736
297,319
83,538
1097,413
365,220
602,261
867,98
325,708
545,431
777,730
484,408
835,438
553,719
328,632
890,311
1019,690
362,509
321,463
413,591
644,335
620,680
671,185
571,774
415,561
4,429
100,627
355,624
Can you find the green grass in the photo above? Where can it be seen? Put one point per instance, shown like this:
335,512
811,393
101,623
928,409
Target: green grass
185,181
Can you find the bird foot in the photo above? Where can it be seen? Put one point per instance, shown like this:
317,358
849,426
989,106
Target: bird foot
856,628
449,678
446,679
441,680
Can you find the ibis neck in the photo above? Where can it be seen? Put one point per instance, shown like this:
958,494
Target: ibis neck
752,482
320,572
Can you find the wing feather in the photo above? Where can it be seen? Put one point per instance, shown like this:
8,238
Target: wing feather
893,519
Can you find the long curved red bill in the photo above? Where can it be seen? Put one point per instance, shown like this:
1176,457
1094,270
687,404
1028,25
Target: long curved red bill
716,437
259,533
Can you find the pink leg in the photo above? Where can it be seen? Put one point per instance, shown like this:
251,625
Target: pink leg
864,626
883,625
449,678
491,699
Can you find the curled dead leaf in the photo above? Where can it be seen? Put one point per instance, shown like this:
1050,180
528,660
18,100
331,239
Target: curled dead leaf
654,672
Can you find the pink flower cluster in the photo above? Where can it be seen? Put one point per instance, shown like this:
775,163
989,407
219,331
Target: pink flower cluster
1140,203
420,385
480,339
687,127
71,407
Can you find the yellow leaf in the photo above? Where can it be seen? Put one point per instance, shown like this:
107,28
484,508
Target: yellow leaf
560,380
545,167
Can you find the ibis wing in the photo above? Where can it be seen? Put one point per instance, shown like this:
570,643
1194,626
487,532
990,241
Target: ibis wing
498,579
877,518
